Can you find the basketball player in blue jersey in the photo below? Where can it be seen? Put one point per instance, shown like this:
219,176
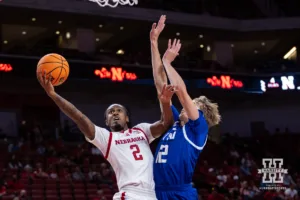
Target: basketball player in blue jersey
178,150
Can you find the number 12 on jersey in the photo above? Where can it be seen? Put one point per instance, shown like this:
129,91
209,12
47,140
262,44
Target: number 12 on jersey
163,151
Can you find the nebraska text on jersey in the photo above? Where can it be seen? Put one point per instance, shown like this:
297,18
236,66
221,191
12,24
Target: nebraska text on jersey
130,140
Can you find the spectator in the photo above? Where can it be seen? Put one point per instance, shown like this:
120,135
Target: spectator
288,180
99,195
14,164
95,151
28,166
41,149
40,173
234,153
16,185
14,146
245,169
52,172
221,177
94,176
78,175
247,161
291,193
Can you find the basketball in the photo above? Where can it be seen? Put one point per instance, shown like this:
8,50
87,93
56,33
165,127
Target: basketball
56,65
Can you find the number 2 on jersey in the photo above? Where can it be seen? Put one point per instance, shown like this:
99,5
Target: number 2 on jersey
136,152
163,151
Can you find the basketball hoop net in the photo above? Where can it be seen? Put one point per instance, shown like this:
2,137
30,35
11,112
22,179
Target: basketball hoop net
115,3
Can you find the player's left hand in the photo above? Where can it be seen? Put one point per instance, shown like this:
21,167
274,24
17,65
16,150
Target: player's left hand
172,51
157,28
167,93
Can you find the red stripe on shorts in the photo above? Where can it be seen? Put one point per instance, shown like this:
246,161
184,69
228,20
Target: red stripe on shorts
123,196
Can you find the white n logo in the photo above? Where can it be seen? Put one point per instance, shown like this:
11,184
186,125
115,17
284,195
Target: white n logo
287,83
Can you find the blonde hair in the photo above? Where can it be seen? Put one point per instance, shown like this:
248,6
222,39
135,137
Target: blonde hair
209,109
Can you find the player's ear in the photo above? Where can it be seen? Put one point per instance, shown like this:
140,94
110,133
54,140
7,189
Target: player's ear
106,122
127,119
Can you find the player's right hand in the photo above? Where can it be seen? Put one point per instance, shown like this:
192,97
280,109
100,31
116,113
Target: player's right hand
157,28
45,82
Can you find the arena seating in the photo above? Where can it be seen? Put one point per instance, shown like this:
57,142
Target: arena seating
63,159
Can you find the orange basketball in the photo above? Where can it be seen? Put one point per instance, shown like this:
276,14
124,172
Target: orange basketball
56,65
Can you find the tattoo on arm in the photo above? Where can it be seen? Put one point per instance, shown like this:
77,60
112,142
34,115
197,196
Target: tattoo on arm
84,123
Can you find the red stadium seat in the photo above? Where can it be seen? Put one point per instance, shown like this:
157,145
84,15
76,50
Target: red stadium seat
24,180
79,196
37,192
37,197
79,191
92,197
64,186
51,192
102,186
91,186
64,181
51,181
39,181
52,197
109,196
78,186
107,191
37,186
66,197
50,186
65,191
6,197
92,191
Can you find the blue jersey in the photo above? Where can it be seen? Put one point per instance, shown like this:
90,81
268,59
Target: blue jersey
178,151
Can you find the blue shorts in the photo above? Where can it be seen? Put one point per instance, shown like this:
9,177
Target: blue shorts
176,192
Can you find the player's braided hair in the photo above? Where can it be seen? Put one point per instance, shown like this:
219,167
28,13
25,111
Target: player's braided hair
209,109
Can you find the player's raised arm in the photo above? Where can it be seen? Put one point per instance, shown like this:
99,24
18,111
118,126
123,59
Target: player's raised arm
84,124
160,127
176,80
159,75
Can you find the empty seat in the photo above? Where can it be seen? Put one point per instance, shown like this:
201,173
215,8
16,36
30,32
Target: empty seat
78,186
51,192
102,186
37,192
37,186
92,191
37,197
66,197
50,186
52,197
64,186
65,191
91,186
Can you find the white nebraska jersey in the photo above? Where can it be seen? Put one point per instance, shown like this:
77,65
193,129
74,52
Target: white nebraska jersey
129,155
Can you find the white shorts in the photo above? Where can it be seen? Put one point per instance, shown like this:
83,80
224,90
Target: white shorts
130,193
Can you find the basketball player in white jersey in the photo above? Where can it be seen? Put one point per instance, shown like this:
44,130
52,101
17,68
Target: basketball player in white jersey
126,149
